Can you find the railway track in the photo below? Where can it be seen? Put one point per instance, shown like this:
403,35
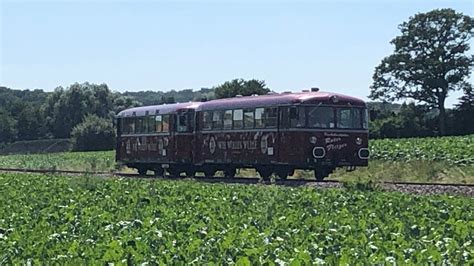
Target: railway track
407,187
217,179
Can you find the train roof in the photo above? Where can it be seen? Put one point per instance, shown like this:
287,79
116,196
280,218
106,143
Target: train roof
275,99
158,109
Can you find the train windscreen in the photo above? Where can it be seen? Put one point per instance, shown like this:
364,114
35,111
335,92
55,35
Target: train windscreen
351,118
320,117
337,117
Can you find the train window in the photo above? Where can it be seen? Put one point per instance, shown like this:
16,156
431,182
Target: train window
344,118
238,118
349,118
297,117
166,123
119,126
271,117
158,123
217,120
321,117
228,119
135,125
145,123
357,118
151,122
191,121
249,119
182,123
125,126
207,120
365,121
139,125
131,127
259,123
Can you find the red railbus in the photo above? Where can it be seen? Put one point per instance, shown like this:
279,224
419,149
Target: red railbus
275,134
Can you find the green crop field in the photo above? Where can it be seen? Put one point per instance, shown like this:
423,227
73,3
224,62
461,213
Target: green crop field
88,220
451,150
83,161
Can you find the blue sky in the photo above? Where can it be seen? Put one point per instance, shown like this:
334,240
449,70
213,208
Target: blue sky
163,45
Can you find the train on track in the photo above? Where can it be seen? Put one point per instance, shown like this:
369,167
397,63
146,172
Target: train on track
275,134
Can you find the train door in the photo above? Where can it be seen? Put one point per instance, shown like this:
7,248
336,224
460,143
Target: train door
184,136
267,146
198,156
287,141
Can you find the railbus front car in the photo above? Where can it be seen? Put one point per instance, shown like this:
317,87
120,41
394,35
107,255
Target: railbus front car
279,133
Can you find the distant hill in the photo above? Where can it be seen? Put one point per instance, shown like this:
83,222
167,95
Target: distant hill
159,97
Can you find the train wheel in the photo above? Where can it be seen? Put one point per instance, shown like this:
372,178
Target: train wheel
209,172
229,172
322,173
174,172
265,173
291,172
190,172
282,173
142,171
158,172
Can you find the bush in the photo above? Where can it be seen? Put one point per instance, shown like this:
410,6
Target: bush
93,134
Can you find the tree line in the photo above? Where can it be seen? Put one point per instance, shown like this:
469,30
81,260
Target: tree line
430,59
85,112
32,115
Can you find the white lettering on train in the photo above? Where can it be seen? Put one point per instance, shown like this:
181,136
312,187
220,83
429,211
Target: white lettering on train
339,146
332,140
228,144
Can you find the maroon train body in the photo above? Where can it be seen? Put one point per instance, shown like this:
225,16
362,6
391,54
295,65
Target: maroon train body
275,134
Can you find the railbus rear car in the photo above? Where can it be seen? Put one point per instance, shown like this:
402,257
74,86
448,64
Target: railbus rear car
156,137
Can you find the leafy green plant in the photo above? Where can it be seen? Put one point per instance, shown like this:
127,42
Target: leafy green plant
93,134
99,161
453,150
91,220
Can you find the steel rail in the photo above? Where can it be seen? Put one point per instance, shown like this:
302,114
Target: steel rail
233,180
427,184
53,171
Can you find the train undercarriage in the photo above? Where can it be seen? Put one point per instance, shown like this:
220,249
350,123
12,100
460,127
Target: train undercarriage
229,171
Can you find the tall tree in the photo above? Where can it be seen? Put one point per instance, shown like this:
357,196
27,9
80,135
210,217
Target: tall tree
464,112
66,108
30,123
429,61
93,134
240,87
8,127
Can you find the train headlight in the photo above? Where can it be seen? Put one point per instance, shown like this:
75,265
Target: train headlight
358,141
319,152
364,153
